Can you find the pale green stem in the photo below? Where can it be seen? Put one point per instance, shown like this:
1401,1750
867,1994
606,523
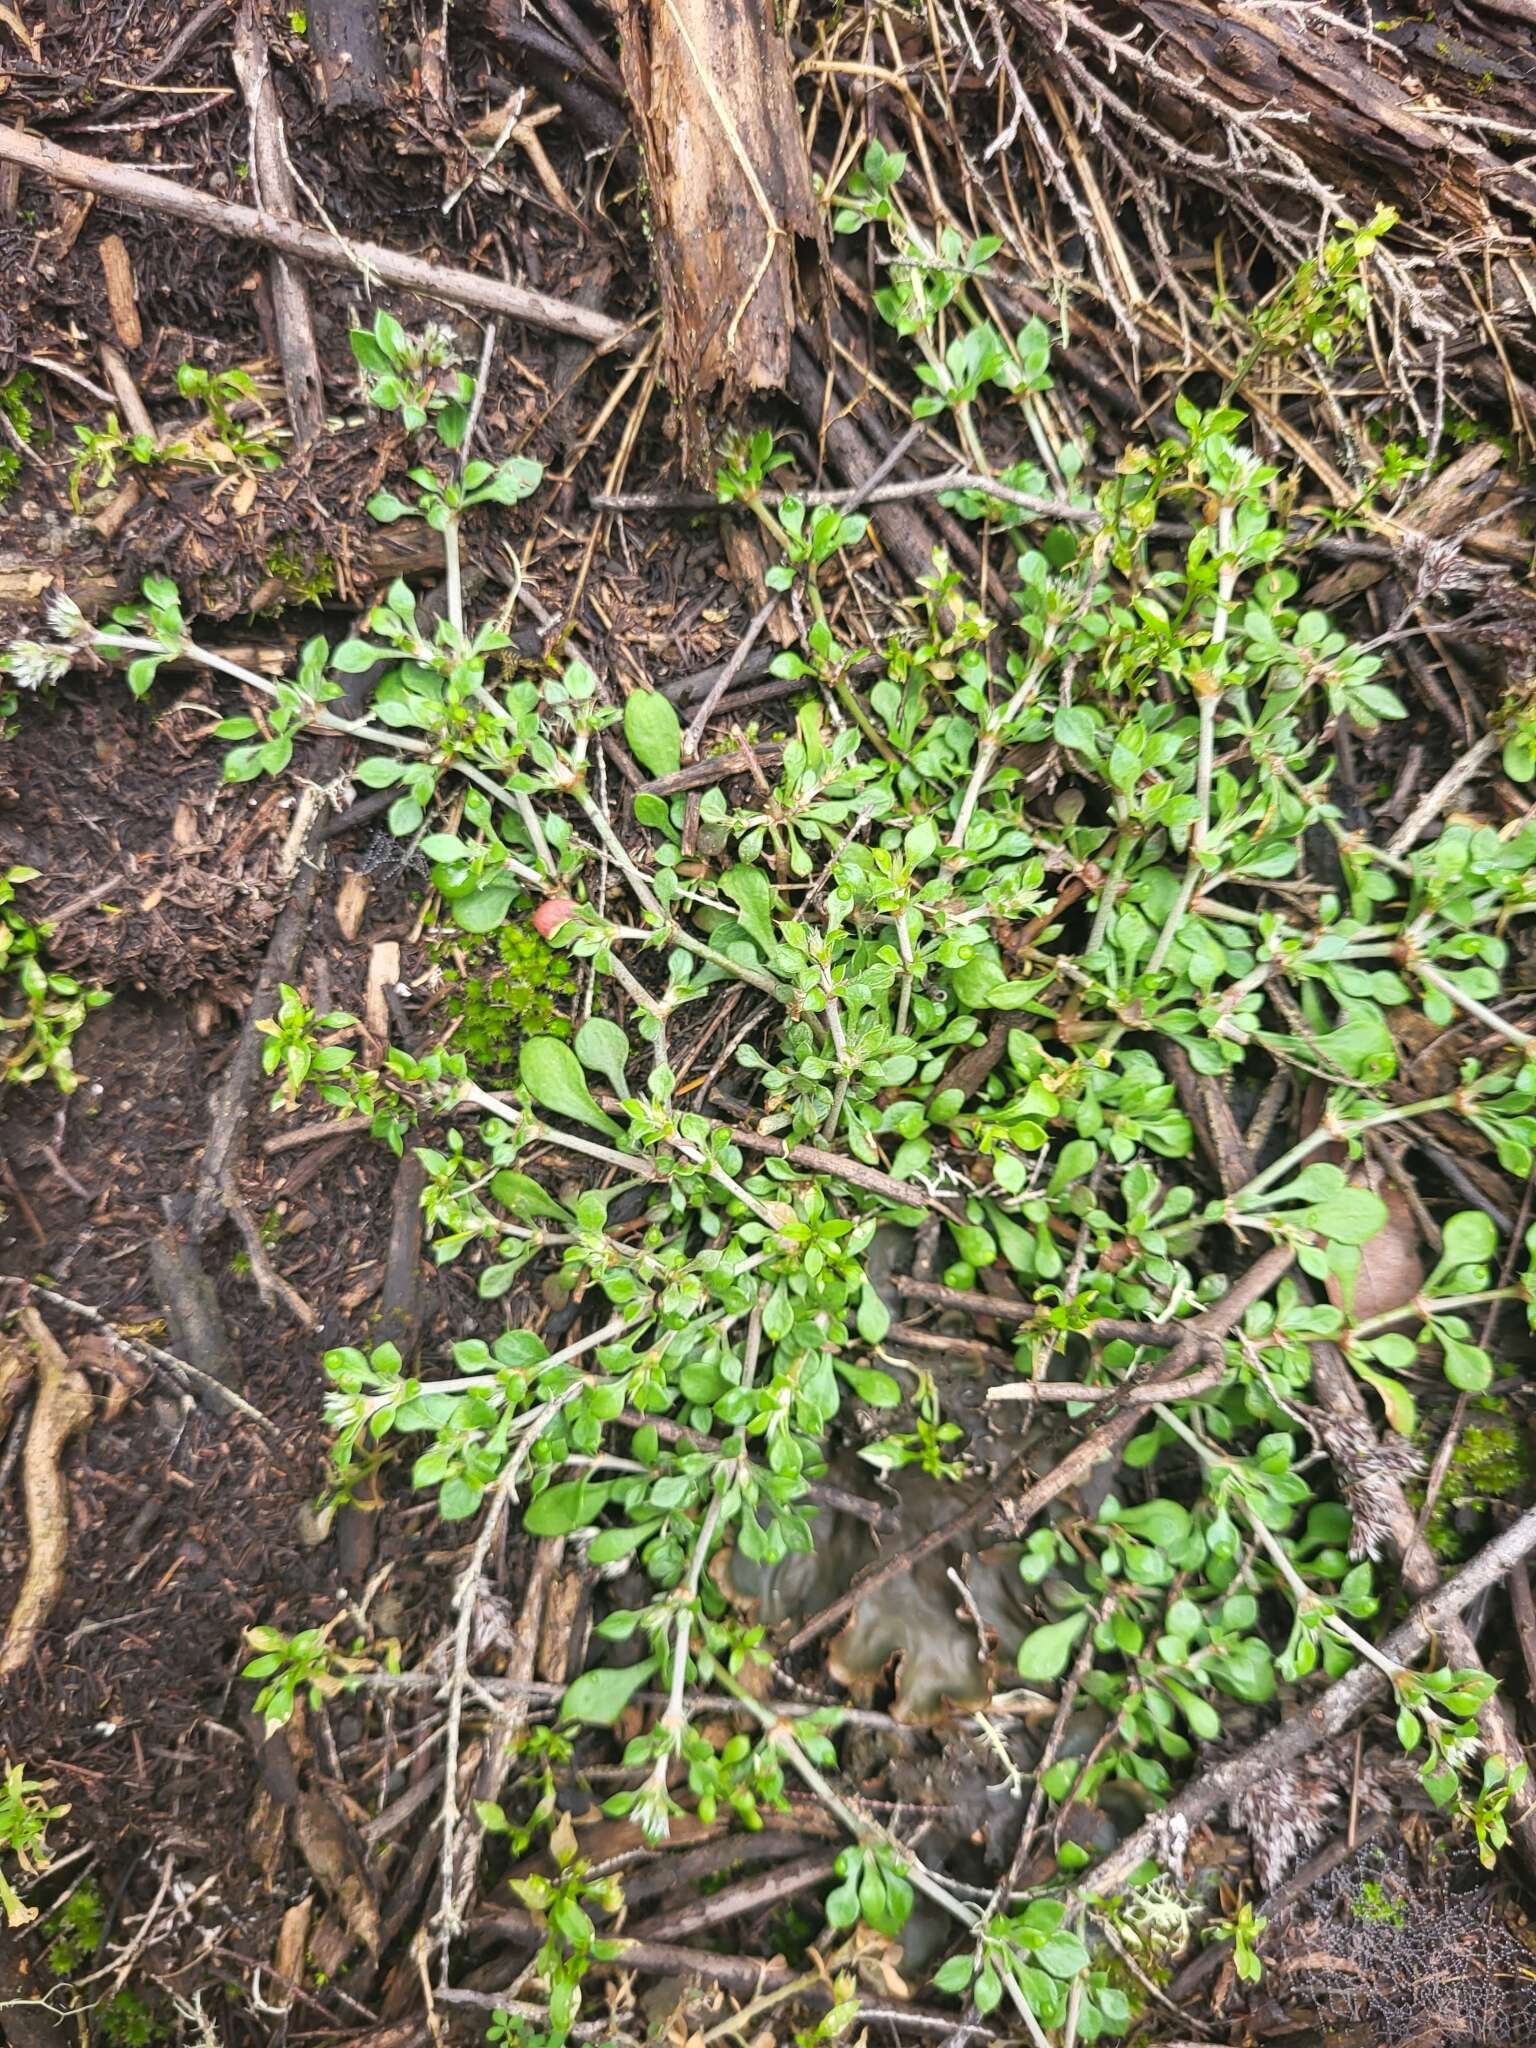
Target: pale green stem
1208,706
1490,1018
991,743
520,797
1426,1306
1109,894
645,896
582,1345
453,580
1330,1131
1301,1592
675,1719
908,970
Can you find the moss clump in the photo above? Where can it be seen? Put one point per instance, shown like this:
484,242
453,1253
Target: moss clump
1374,1903
127,2020
511,986
75,1929
16,399
307,579
1491,1462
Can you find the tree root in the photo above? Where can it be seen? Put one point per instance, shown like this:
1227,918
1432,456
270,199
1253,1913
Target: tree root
15,1378
62,1410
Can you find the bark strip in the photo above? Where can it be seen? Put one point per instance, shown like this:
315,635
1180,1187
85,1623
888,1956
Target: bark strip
730,188
276,193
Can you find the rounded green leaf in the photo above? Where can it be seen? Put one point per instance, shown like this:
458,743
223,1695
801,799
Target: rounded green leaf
551,1073
1045,1654
654,734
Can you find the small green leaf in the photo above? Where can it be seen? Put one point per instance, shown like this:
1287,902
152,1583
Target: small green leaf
1402,1412
877,1388
1159,1522
654,734
603,1047
1470,1238
1045,1654
752,893
874,1318
552,1074
574,1504
354,657
600,1696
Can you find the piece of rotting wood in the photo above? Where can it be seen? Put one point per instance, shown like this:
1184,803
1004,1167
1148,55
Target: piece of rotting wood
351,61
122,293
730,189
277,193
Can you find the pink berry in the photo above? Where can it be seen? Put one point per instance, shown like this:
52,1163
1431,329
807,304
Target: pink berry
550,916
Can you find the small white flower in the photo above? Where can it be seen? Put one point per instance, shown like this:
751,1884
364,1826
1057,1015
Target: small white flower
66,621
34,665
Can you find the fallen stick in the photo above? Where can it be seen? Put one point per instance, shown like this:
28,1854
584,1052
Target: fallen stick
743,1976
113,180
67,554
62,1409
1301,1732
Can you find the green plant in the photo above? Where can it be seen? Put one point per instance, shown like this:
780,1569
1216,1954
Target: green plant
36,1043
74,1929
1324,302
18,394
104,449
511,2030
24,1820
1244,1929
1374,1903
892,889
1032,1957
128,2020
511,986
416,375
924,1444
292,1050
307,1665
1487,1811
873,1889
1491,1463
563,1905
222,393
222,439
307,578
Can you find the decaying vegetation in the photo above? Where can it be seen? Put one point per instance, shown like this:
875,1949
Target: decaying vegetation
769,1030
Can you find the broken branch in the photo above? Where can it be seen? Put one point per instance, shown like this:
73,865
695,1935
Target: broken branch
308,245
